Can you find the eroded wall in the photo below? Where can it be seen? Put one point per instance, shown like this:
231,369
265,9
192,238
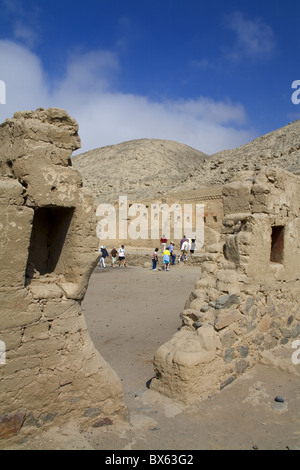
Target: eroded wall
52,372
245,307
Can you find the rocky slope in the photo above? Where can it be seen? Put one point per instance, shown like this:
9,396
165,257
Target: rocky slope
138,169
149,168
280,148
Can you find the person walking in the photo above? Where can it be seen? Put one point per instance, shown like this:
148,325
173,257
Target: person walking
104,254
121,255
184,250
184,239
113,254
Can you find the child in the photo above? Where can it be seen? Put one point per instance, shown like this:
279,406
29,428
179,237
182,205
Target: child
154,259
166,260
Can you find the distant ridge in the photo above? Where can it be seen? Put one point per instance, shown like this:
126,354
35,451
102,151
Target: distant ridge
137,168
280,148
150,168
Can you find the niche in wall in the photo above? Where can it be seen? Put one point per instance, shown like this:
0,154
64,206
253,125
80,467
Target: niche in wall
49,231
277,244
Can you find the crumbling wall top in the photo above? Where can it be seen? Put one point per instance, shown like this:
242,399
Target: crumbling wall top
51,135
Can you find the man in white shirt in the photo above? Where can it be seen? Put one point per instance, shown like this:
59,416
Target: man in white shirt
184,250
121,254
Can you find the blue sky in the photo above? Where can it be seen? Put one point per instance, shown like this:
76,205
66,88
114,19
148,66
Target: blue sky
212,75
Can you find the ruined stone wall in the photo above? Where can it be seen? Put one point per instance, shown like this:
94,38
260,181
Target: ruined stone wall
52,371
245,307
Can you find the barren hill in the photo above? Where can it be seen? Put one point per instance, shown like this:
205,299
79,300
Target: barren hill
149,168
138,168
280,148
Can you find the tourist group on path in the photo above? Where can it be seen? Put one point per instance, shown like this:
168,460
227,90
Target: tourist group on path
114,254
187,248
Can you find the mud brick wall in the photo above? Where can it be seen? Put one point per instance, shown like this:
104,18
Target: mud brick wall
245,307
52,372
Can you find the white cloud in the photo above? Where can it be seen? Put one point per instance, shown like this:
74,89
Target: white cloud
25,80
25,33
107,116
89,72
207,109
254,38
23,20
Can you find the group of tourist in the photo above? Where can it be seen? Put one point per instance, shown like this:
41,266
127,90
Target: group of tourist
114,254
187,248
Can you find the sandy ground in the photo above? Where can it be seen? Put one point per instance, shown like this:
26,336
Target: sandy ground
130,313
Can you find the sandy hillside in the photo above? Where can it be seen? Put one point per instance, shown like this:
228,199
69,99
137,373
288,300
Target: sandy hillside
148,168
280,148
138,168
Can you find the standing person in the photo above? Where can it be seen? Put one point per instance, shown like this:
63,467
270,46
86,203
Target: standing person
113,254
193,246
188,246
163,243
172,255
121,254
104,255
166,260
154,259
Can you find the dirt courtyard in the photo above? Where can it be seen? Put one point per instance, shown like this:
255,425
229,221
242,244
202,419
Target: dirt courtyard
130,312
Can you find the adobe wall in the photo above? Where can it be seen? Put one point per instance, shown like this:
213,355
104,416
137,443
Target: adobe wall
145,210
52,372
245,307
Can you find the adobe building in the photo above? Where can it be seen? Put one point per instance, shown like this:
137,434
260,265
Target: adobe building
162,214
245,308
50,370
